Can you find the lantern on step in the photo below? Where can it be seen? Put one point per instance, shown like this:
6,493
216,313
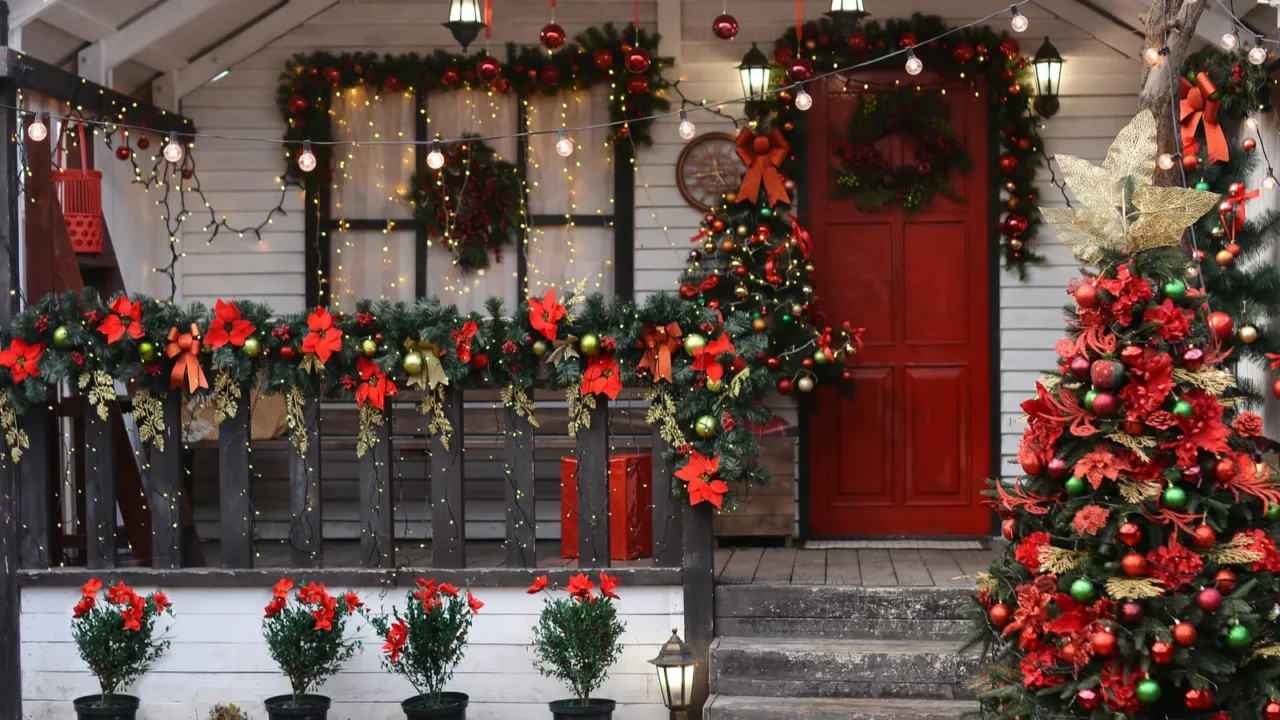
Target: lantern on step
1048,66
846,14
676,664
80,195
465,21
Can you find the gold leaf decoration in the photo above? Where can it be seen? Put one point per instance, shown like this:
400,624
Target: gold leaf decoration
738,382
148,415
1270,651
1236,551
1127,588
1133,153
1211,380
662,413
226,397
432,408
102,391
1135,492
1097,188
580,407
371,418
515,397
1137,444
1049,381
14,436
1058,560
1165,213
294,401
1078,230
985,581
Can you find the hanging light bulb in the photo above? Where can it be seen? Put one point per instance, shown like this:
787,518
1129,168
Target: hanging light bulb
1230,40
1269,182
306,159
1154,56
1166,161
1251,122
804,100
564,146
914,66
173,149
686,129
1020,21
1258,53
435,158
38,130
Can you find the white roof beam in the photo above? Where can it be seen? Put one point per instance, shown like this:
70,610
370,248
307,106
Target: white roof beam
150,27
22,12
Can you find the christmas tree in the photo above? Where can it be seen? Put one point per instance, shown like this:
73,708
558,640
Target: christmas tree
1139,579
755,257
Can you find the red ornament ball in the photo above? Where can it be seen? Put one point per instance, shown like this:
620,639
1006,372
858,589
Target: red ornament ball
799,70
1087,698
1234,249
1204,537
847,376
1225,581
1030,464
1009,529
638,85
1134,565
602,57
296,104
637,60
1196,699
772,363
1058,468
1008,163
1225,469
807,363
1129,534
785,386
332,75
450,77
1249,144
1106,403
391,83
1080,366
1209,600
1133,426
123,153
1271,711
1190,162
549,76
1087,296
999,615
288,352
480,361
963,52
857,41
1221,325
1161,652
144,142
186,173
488,69
1185,634
1104,643
1275,389
1015,225
552,36
907,40
725,27
1131,612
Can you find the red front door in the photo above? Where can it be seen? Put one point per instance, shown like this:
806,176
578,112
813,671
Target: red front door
908,454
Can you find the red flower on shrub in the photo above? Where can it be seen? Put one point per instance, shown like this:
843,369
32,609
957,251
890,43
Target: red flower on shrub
22,359
580,586
324,339
473,603
397,636
276,605
126,317
282,588
132,616
161,601
447,589
227,326
121,594
325,613
352,600
539,584
91,587
83,607
608,584
312,593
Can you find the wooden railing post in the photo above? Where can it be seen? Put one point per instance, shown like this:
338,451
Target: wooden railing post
668,540
699,596
448,508
377,511
522,535
304,492
233,485
593,489
164,487
10,599
100,487
35,486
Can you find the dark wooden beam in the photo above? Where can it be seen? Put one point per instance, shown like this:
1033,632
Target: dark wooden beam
233,486
377,508
522,536
304,492
624,228
165,474
100,487
448,509
35,489
668,539
699,596
593,489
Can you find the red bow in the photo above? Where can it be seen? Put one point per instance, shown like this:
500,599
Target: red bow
855,338
659,342
463,340
763,155
801,236
1196,103
186,348
1232,211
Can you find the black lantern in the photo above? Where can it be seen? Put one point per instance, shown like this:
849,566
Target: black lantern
754,72
465,21
846,14
675,663
1048,66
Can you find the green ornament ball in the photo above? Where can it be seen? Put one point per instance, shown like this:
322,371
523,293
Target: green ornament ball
61,337
820,357
715,386
1239,637
786,318
252,346
1273,512
1182,408
589,344
1075,486
1089,397
368,347
706,426
147,350
1202,186
540,348
1148,691
1175,289
1174,497
693,342
766,212
1082,590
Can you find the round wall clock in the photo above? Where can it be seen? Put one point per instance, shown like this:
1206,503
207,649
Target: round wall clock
708,168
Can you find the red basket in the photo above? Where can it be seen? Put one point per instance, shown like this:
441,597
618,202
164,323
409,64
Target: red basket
80,194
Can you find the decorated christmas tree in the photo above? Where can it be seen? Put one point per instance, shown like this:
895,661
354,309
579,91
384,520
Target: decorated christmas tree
753,256
1139,579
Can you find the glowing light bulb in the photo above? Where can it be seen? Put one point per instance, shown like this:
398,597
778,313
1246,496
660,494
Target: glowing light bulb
1258,53
1269,182
686,129
1020,21
172,149
38,130
564,146
435,158
804,100
1251,122
1230,40
306,159
914,66
1165,161
1152,56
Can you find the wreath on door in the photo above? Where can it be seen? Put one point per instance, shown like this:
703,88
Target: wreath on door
472,202
869,178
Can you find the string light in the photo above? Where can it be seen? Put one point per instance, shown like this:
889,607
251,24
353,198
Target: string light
173,149
804,100
687,129
1230,39
914,66
1269,182
38,130
1166,161
564,146
1020,21
1258,54
306,159
435,158
1251,122
1155,56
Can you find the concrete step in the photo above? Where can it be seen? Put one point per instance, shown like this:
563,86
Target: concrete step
812,668
721,707
842,612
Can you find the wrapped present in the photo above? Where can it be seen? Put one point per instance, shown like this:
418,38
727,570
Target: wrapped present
630,506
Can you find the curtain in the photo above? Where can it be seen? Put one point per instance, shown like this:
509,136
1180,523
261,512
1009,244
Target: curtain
370,264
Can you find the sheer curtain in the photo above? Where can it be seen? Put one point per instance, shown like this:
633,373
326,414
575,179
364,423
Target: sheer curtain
452,115
581,184
371,182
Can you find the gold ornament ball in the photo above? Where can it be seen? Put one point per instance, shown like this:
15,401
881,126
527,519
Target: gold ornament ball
252,346
1014,203
540,348
728,245
731,197
589,344
1011,186
740,291
805,384
759,325
1248,334
797,309
61,337
147,350
742,231
715,386
706,426
693,342
820,357
368,347
412,363
709,247
1218,232
1015,244
1192,271
1224,257
808,267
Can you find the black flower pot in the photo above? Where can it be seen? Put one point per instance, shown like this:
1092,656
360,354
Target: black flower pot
309,707
119,707
445,706
590,709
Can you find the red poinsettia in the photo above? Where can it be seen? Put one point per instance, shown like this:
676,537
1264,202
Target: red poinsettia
397,636
700,474
1090,519
352,600
473,603
1202,430
1173,565
1248,424
1098,464
125,317
580,587
705,359
312,593
1043,426
324,339
22,359
90,587
132,617
608,584
1150,382
545,313
325,613
447,589
1030,616
1028,552
1037,668
161,600
1174,323
539,584
376,387
227,326
1130,292
121,594
462,340
1257,541
276,605
1120,687
602,376
282,588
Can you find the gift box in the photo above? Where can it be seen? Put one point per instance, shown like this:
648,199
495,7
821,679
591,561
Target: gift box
630,506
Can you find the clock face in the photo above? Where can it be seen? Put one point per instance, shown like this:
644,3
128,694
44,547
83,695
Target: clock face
708,168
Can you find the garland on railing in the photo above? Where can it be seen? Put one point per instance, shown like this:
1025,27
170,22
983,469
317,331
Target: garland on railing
703,371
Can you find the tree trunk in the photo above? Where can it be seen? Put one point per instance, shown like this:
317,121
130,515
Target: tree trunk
1171,24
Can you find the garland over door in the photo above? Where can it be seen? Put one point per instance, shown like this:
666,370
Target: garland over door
909,453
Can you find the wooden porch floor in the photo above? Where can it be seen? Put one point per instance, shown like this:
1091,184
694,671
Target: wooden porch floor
346,554
921,568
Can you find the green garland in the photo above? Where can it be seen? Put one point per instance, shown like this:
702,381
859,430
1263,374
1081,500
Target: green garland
867,176
472,202
1242,86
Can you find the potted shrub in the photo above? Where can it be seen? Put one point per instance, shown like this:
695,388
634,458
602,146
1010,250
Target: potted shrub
305,633
425,645
115,637
576,642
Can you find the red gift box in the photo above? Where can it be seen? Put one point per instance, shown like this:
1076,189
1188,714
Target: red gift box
630,507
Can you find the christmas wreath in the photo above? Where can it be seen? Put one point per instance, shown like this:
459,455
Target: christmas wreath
871,179
472,202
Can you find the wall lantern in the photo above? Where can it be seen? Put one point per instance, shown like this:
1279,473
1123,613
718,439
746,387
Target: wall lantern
846,14
675,663
465,21
754,71
1048,66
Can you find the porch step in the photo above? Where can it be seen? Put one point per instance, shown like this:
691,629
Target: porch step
825,668
842,612
721,707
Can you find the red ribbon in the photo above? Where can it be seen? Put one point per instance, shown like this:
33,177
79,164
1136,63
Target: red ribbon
799,24
659,342
763,155
824,343
1232,210
803,241
488,18
186,348
463,340
771,265
855,337
1196,104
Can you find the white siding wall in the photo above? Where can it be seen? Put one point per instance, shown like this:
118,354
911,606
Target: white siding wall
218,656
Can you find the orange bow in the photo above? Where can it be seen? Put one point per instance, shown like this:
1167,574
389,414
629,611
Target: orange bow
659,342
763,155
1196,103
186,348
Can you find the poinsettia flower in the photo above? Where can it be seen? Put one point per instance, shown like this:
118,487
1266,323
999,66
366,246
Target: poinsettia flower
602,376
83,607
545,313
1173,322
539,584
22,359
1173,566
352,600
580,586
161,600
608,584
324,339
1120,687
125,317
325,613
91,587
1028,552
1037,668
276,605
132,617
448,589
376,387
705,359
1098,464
700,474
1203,430
120,594
473,603
1130,291
227,326
397,636
312,593
282,588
